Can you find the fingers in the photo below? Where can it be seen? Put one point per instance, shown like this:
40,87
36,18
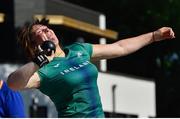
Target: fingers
40,49
172,34
164,33
44,37
167,33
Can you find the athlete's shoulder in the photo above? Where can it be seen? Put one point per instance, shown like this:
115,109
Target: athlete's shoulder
75,44
79,45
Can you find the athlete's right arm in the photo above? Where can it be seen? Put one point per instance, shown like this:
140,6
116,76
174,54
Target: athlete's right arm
24,77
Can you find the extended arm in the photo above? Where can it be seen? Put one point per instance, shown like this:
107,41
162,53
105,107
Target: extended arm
126,46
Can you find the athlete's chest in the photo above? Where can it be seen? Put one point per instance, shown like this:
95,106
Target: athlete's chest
74,70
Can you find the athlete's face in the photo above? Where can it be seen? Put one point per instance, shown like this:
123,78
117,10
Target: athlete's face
42,33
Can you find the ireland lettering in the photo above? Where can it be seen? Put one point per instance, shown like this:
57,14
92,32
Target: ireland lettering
74,68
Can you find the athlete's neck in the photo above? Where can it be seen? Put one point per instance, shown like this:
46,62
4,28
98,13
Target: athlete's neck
59,53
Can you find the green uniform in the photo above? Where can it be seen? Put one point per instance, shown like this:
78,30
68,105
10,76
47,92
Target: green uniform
71,83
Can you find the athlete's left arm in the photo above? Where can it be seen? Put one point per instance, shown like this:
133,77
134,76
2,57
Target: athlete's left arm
127,46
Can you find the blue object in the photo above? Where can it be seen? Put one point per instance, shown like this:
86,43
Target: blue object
11,103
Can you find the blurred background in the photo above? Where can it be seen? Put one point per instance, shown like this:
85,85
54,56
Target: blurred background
143,84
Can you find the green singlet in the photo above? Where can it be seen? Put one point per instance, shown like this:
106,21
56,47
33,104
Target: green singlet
71,83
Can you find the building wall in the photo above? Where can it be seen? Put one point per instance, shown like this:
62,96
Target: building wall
25,9
132,94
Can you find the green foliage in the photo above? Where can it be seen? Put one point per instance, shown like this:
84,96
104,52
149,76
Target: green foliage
139,16
148,14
